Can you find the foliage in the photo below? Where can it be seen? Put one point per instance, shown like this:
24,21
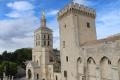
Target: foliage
9,68
10,60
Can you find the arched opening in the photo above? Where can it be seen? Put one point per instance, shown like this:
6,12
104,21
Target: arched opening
29,74
37,76
91,69
106,71
80,69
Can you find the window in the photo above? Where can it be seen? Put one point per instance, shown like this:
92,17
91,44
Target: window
44,36
29,74
37,61
65,26
88,25
65,74
56,78
37,76
48,43
67,58
44,43
63,44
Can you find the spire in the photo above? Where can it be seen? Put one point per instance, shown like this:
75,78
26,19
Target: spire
43,19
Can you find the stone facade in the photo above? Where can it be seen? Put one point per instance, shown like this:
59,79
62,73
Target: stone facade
83,57
43,55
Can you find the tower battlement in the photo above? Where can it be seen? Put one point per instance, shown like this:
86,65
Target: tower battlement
75,7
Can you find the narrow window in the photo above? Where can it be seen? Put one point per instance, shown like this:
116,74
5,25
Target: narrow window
37,76
44,36
65,26
56,78
63,44
44,43
88,25
65,74
48,43
67,58
37,61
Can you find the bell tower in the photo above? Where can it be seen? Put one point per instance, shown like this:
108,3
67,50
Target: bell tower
43,46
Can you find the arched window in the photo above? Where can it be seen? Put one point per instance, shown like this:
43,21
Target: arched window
91,67
29,74
80,68
106,71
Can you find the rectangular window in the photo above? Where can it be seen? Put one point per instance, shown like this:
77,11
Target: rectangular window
88,25
48,43
67,58
65,74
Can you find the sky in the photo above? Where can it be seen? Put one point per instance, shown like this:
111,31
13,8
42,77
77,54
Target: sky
19,19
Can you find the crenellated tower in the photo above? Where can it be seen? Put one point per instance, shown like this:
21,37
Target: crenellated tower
77,26
79,22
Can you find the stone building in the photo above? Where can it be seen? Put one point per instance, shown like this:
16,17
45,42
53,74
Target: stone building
45,59
83,57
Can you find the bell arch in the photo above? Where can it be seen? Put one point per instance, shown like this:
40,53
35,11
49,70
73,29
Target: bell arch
106,70
91,67
80,69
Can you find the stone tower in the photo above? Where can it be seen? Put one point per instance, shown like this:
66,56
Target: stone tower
79,22
77,26
43,46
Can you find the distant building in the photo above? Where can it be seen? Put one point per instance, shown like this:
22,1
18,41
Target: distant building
83,57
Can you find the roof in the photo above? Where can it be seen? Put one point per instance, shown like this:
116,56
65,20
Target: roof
108,39
43,28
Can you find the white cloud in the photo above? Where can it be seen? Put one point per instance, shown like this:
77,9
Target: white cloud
80,1
21,5
20,9
17,32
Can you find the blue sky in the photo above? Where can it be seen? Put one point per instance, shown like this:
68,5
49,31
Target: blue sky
19,18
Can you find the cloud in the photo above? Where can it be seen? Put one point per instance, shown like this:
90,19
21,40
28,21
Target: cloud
20,9
80,1
21,5
17,29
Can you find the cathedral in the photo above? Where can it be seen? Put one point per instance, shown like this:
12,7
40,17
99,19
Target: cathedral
82,56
